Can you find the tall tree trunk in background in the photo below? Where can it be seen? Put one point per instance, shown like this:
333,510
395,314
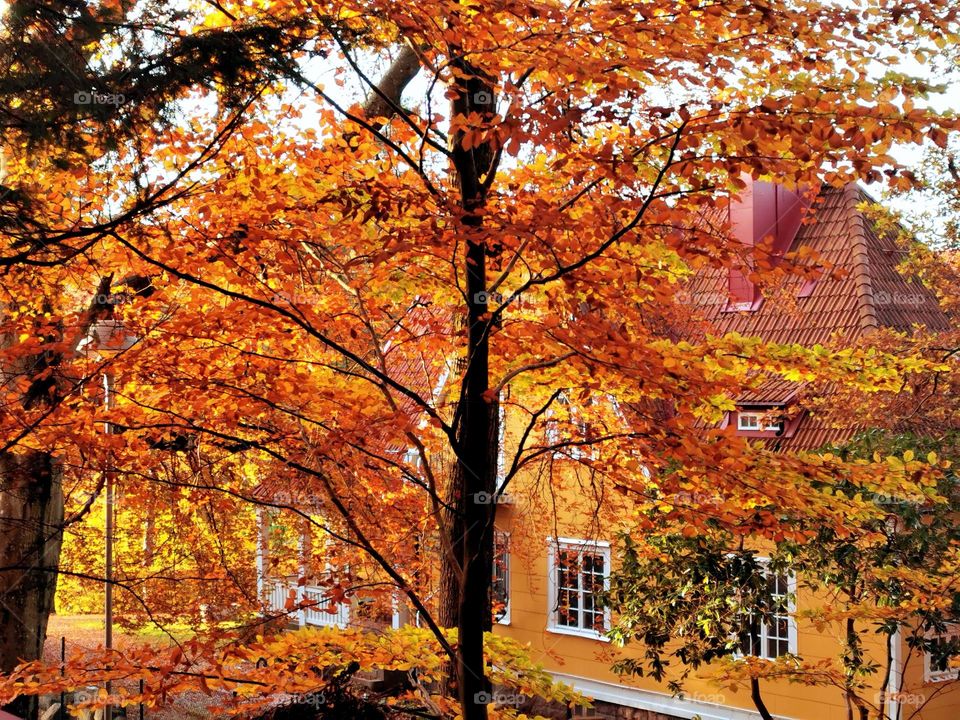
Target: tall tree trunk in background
32,510
31,531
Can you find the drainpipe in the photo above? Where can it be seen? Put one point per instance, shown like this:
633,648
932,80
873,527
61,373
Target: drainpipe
109,530
896,680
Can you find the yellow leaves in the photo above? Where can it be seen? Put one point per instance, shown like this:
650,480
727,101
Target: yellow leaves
798,374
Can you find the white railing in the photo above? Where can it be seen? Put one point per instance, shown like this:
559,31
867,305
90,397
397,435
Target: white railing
279,590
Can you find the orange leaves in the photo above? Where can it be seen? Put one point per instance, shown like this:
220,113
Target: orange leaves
305,332
939,137
289,663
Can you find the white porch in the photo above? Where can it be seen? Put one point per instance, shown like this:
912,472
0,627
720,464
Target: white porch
277,592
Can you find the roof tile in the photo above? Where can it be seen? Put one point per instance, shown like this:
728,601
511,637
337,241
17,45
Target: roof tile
868,294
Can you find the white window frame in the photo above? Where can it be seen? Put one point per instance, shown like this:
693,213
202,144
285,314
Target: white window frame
599,547
938,676
505,618
757,417
792,639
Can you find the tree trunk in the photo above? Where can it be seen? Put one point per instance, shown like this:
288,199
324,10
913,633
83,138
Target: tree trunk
450,570
473,483
758,699
31,531
451,566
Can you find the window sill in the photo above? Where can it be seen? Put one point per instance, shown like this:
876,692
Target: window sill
573,632
741,656
939,676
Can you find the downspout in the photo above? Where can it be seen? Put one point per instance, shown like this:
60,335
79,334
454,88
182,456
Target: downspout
893,704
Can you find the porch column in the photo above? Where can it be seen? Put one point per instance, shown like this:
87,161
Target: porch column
263,558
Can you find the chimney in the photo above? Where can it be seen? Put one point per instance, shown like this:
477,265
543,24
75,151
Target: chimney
765,218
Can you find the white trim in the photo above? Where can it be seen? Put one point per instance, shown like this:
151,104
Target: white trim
655,701
574,418
505,618
301,578
501,439
574,632
896,675
279,591
395,621
577,541
793,642
262,557
412,457
600,547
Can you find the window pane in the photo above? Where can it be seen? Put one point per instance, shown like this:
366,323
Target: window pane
767,634
567,614
750,635
580,577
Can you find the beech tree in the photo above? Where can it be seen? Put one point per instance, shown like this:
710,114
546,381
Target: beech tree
513,229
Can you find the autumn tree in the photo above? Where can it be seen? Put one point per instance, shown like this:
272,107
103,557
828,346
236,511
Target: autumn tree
323,259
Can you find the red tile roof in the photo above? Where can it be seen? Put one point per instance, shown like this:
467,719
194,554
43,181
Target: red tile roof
864,293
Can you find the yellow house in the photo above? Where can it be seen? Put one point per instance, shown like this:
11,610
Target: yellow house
548,574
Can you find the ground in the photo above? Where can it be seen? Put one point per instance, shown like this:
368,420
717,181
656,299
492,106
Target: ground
87,631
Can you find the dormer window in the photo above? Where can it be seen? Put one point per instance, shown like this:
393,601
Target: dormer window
755,422
764,221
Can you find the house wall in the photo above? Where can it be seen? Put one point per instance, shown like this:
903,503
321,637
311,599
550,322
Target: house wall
921,699
548,508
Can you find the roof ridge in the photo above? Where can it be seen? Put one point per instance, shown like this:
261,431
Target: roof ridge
869,320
